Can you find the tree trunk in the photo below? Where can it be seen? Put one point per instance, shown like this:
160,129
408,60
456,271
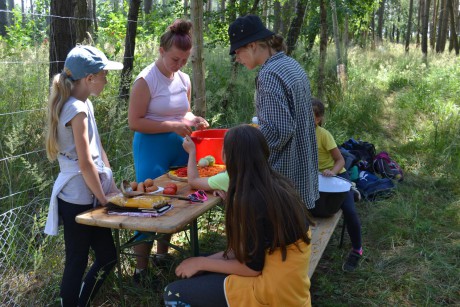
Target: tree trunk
335,27
345,41
425,17
380,13
254,7
23,13
130,44
199,89
62,34
231,10
243,7
222,10
148,6
277,16
93,16
82,19
341,74
373,43
417,44
442,27
296,25
265,11
186,8
409,25
322,48
3,18
453,32
433,24
10,14
313,28
286,15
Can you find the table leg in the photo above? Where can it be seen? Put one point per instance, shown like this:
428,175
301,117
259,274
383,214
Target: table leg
119,272
194,238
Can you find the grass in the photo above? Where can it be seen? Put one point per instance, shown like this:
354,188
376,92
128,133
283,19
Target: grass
394,100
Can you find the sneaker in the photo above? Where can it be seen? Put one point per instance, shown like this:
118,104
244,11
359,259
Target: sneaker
139,278
352,262
145,279
162,260
356,194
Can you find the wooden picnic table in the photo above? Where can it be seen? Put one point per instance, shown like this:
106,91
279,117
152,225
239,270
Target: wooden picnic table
182,214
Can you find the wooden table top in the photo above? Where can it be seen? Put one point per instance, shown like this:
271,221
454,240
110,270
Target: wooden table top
182,214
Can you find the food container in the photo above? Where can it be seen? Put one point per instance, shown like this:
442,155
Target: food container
209,142
332,193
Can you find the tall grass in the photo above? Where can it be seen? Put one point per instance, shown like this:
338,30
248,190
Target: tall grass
392,99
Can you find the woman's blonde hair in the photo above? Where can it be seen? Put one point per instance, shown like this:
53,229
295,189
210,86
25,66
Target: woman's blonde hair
59,94
274,41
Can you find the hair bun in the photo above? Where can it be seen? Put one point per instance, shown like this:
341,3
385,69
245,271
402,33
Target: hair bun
181,26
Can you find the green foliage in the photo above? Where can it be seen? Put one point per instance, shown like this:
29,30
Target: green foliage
392,99
25,32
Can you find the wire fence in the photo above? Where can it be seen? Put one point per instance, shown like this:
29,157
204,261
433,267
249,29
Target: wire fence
31,263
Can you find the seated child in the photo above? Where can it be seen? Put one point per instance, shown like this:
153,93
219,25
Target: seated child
268,237
331,163
218,183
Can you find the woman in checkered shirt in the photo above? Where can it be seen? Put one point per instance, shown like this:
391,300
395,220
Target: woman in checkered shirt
283,103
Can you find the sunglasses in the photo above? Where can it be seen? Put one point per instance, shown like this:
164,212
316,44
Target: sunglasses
198,196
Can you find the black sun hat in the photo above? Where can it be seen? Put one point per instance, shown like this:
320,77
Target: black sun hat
245,30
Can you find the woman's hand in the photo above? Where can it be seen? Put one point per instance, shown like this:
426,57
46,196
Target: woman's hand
189,145
189,267
200,123
181,129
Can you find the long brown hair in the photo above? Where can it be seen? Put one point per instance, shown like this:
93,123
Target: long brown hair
253,179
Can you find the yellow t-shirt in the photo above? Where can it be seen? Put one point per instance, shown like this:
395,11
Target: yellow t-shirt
282,283
326,143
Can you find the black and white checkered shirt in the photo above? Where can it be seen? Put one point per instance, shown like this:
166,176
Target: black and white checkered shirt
284,110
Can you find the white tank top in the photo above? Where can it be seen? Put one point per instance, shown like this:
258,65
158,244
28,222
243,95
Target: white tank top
168,97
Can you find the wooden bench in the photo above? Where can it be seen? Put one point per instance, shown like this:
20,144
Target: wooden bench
321,234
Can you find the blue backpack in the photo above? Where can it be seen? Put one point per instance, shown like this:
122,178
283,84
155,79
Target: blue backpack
372,187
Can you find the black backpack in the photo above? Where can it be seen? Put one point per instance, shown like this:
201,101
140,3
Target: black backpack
363,151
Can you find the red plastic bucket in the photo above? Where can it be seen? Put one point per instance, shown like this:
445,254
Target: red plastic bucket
209,142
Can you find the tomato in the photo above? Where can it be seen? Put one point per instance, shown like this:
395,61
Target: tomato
171,185
169,191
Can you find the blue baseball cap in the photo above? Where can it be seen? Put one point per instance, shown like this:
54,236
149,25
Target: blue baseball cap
84,60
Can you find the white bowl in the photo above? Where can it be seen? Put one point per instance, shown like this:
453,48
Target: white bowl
333,184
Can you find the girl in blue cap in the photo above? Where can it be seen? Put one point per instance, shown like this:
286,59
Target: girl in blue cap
85,177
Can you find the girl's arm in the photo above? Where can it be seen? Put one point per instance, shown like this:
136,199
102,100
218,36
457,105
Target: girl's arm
88,169
139,100
195,181
215,263
339,163
105,159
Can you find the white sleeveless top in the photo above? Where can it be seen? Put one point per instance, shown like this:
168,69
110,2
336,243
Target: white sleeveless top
168,97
